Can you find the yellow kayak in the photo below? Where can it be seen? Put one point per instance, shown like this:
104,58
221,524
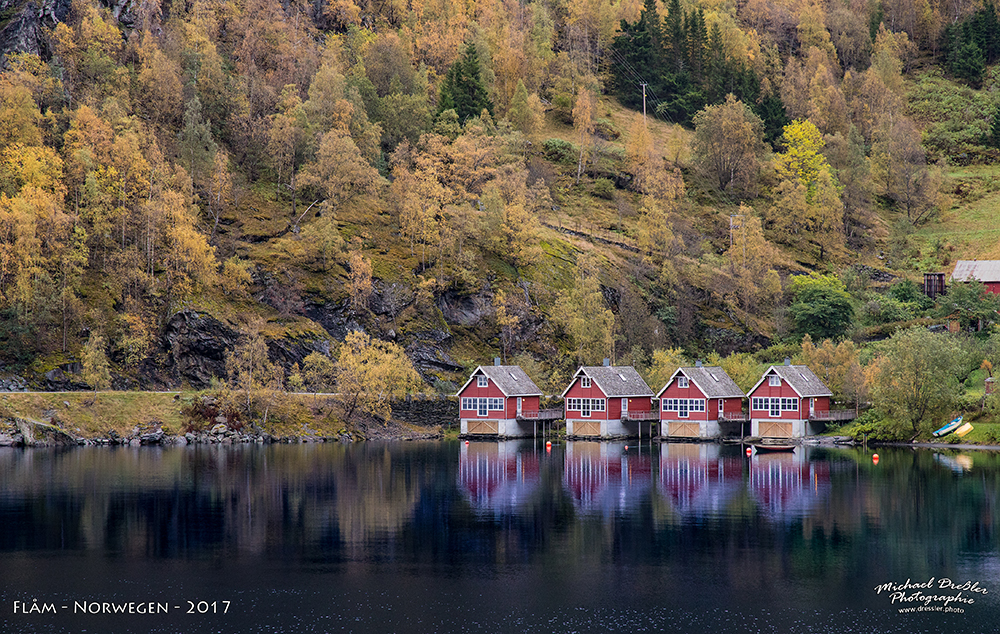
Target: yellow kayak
964,429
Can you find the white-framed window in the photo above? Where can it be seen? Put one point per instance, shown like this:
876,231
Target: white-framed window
682,381
585,381
683,406
482,381
774,380
586,405
482,405
774,405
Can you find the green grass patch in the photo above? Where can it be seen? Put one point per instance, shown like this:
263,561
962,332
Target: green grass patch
87,415
968,229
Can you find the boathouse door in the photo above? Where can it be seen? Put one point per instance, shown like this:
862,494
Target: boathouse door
518,405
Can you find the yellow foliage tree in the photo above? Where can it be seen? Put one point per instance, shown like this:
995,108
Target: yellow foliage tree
838,366
750,260
370,373
359,283
583,315
255,380
663,365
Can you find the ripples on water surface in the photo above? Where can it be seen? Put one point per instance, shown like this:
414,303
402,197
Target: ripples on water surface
494,537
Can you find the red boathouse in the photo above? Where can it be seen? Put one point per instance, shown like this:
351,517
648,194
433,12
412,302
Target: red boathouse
789,401
498,400
607,401
696,403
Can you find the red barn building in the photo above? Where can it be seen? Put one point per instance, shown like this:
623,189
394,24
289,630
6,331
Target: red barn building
607,401
695,400
986,271
494,397
789,401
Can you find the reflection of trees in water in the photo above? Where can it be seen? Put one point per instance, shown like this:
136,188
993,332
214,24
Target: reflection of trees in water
176,502
910,515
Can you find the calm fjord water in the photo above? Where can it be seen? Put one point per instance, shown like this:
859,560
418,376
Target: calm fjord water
497,537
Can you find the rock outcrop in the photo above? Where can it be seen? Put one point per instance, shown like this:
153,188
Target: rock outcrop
193,348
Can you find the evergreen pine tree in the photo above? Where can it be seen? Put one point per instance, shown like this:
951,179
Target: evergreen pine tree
463,89
676,37
196,143
637,56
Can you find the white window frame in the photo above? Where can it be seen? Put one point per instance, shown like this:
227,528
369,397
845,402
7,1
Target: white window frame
774,380
585,381
682,406
573,405
482,381
682,381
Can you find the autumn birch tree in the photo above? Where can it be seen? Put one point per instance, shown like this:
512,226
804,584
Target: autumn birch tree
370,373
583,123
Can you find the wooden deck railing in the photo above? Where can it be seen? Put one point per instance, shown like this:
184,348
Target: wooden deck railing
544,414
834,414
734,417
640,416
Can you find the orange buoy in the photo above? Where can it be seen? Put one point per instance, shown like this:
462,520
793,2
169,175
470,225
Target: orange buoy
467,442
749,451
626,447
875,458
548,443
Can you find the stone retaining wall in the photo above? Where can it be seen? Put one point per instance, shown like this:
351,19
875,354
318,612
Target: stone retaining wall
427,411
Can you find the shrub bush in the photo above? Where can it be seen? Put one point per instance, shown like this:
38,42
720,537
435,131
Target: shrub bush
872,426
560,151
604,188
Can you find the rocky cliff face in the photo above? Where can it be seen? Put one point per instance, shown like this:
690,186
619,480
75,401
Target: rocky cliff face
21,24
193,348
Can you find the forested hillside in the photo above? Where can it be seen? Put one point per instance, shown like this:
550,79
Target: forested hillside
477,179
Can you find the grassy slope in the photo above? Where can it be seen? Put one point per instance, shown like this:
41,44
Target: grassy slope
968,229
82,415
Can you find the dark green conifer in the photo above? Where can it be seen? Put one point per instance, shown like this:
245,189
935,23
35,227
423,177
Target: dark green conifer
463,89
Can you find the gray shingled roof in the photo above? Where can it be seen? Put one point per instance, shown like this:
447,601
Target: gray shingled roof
711,380
511,380
614,380
982,270
801,378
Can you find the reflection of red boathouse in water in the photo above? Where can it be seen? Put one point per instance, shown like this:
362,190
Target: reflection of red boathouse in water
604,477
696,480
786,485
498,476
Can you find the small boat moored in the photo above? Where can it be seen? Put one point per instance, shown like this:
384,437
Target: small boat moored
964,429
950,427
762,447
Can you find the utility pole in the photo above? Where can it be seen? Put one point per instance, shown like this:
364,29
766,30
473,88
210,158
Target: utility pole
643,102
